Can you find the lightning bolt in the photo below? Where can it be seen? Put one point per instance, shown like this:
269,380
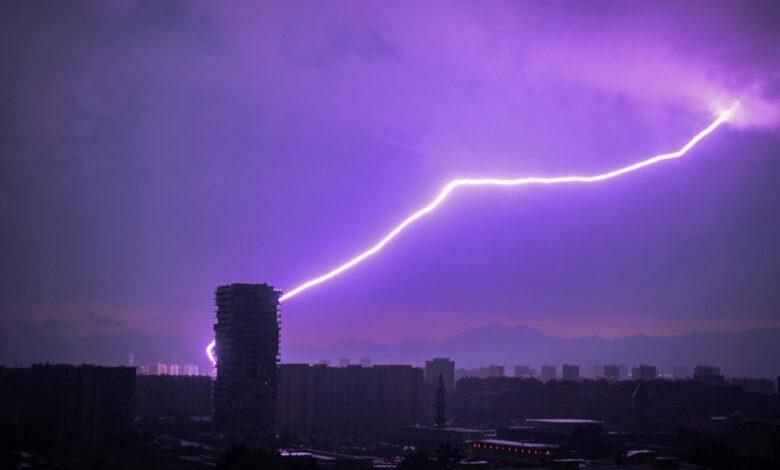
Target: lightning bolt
454,184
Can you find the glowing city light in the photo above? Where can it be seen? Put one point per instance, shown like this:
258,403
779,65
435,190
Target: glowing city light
452,185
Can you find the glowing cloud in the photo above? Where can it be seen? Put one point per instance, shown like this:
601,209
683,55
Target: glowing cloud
452,185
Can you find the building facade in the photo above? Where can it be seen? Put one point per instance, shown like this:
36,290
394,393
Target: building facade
612,372
644,372
441,366
570,372
247,353
167,395
321,399
548,373
66,402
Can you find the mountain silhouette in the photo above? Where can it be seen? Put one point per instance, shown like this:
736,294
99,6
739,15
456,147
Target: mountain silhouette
744,353
750,353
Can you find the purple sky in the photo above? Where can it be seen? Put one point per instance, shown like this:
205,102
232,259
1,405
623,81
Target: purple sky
150,152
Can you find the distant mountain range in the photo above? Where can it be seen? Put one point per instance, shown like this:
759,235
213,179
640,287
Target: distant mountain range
752,353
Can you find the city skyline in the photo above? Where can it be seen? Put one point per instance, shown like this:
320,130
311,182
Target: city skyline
390,235
737,353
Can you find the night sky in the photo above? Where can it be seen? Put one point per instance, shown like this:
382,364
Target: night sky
152,151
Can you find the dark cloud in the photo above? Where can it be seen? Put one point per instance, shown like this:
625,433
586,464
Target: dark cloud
103,320
54,324
46,326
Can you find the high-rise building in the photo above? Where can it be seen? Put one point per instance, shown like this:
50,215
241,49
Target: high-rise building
644,372
440,419
247,352
444,367
570,372
322,399
612,372
344,362
173,369
190,369
365,362
499,400
297,396
680,372
157,396
623,372
495,371
754,385
523,371
548,373
400,387
438,369
708,374
85,403
706,371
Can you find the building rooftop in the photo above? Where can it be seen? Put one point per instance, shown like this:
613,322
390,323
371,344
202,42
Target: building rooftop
453,429
527,445
561,421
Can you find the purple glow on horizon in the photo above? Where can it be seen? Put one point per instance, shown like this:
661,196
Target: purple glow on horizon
724,115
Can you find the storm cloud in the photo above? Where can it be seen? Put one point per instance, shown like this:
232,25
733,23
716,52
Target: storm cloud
154,150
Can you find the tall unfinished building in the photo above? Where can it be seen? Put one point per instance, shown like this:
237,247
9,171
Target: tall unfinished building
247,352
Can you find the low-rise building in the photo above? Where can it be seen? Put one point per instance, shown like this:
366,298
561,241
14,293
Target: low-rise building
499,451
